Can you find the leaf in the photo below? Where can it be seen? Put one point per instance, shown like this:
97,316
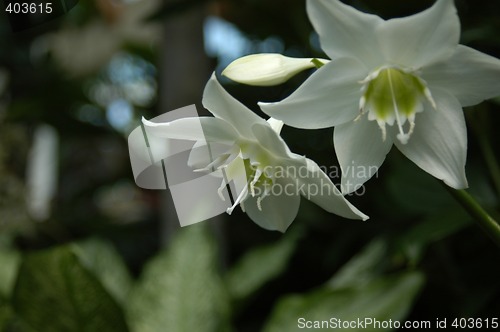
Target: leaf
10,261
260,266
103,260
181,290
5,314
431,229
414,191
362,268
389,297
54,292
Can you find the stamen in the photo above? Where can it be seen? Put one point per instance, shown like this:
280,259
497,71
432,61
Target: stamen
402,136
259,206
221,188
261,197
381,125
241,196
362,103
216,164
258,173
428,95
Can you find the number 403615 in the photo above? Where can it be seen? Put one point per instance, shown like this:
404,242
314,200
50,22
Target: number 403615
29,8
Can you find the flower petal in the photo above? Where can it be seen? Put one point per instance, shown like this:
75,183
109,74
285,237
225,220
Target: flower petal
266,69
193,129
279,209
277,125
471,76
204,153
327,98
423,38
319,189
224,106
360,151
271,141
438,144
345,31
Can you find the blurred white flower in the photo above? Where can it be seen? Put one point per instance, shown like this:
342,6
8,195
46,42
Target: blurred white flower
82,50
245,144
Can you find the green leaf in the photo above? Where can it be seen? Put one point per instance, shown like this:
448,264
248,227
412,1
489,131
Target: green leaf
9,265
5,314
260,266
181,290
385,298
363,267
103,260
431,229
55,293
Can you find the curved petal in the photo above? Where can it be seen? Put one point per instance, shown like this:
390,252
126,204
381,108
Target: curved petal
423,38
360,151
327,98
193,129
204,153
317,187
345,32
266,69
279,209
276,124
438,144
224,106
271,141
471,76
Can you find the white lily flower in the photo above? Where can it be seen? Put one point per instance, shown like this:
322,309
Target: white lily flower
268,68
402,81
275,177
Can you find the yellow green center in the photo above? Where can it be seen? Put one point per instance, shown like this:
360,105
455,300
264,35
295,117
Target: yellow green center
392,94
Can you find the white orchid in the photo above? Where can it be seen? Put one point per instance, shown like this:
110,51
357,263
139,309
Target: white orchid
275,177
408,73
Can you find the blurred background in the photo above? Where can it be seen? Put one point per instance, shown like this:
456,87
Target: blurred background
82,248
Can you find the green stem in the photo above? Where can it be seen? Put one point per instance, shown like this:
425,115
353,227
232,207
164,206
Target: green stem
489,225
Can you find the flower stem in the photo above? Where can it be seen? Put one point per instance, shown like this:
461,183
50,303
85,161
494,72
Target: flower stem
489,225
317,63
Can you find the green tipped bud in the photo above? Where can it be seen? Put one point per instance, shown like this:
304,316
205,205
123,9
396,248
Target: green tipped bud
267,69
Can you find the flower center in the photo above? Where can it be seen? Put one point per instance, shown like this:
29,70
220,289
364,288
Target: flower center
393,95
257,171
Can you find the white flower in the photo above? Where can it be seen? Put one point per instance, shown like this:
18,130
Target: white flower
275,177
267,69
402,81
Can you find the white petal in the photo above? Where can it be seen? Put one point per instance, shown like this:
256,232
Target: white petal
276,124
360,151
423,38
266,69
271,141
327,98
193,129
345,31
279,209
318,188
471,76
224,106
439,143
203,154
